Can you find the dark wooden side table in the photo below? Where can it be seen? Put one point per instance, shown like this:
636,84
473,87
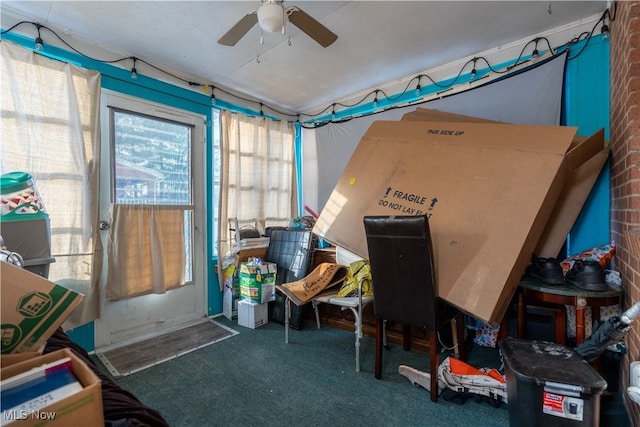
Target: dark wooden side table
534,291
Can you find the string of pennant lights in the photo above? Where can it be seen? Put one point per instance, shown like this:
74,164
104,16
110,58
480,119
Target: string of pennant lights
413,93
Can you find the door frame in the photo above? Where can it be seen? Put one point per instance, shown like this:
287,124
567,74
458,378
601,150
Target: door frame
196,308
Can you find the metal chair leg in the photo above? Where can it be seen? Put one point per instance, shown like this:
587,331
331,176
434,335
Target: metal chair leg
357,314
315,308
287,315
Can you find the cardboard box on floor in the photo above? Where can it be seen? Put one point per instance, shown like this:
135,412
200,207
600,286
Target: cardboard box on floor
252,315
83,408
231,290
489,189
32,308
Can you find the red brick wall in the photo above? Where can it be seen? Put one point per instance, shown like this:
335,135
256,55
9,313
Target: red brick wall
625,173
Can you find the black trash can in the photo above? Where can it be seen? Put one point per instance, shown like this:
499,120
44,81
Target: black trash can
550,385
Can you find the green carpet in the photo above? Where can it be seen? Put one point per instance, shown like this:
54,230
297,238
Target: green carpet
255,379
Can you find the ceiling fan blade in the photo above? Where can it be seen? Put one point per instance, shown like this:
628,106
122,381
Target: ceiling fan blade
311,26
241,28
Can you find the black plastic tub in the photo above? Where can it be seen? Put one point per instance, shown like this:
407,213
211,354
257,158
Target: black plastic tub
550,385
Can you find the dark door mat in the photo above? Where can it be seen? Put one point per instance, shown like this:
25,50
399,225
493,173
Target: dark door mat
126,360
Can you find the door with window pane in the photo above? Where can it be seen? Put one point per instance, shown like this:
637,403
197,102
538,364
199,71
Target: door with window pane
151,216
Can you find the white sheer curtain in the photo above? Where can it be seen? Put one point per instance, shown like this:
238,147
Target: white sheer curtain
50,130
258,182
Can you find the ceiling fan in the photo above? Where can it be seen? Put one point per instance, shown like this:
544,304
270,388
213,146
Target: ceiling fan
272,17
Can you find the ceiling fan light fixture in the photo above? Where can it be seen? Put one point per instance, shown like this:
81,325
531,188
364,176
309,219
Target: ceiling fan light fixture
271,17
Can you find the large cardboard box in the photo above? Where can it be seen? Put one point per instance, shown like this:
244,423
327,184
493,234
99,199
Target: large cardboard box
574,193
32,308
84,408
488,188
591,155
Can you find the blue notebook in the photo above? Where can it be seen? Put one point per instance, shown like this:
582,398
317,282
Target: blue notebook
57,384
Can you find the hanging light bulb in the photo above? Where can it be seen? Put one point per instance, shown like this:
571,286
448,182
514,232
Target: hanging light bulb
604,31
213,98
474,72
418,87
38,42
375,101
134,72
536,53
333,112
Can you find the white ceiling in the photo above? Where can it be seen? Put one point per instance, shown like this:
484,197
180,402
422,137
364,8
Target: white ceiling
378,41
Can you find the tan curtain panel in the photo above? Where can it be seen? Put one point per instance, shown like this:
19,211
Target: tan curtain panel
146,249
258,183
50,129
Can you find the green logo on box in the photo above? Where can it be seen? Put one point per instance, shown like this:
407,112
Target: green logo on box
10,336
34,304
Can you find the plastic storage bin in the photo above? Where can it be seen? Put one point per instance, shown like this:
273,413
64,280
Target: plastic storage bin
30,237
19,194
24,223
550,385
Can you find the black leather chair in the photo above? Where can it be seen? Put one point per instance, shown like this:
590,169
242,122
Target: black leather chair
404,285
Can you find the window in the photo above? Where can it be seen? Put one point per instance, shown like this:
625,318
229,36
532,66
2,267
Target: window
257,174
152,167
